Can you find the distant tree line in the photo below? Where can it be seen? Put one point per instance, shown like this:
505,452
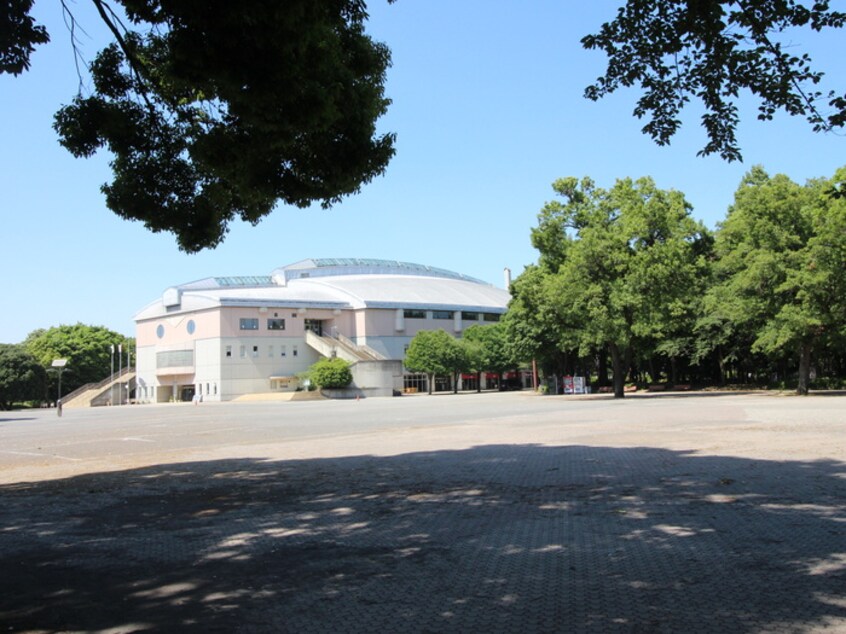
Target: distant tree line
630,288
26,375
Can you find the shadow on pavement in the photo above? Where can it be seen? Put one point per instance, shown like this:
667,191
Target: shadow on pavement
507,538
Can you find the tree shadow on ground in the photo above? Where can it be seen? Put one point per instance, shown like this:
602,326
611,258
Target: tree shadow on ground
494,538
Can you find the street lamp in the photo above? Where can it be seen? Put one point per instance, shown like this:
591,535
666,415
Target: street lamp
112,377
59,364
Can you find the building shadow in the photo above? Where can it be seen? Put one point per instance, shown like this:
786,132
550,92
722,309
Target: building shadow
494,538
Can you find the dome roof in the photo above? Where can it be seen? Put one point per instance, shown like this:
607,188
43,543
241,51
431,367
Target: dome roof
343,283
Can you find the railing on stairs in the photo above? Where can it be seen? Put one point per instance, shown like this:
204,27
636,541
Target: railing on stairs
67,398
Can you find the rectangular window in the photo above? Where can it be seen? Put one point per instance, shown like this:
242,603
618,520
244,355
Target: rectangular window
284,351
491,316
243,352
414,314
255,352
249,323
469,315
442,314
294,351
174,358
276,324
228,351
270,351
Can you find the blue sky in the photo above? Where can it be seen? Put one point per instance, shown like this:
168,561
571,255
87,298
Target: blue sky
488,111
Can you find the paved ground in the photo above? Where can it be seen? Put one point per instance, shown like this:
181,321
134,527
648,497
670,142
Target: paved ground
476,513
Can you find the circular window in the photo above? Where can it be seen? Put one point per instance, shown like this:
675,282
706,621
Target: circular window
191,326
160,331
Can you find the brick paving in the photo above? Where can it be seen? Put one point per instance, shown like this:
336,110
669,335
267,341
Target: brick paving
495,537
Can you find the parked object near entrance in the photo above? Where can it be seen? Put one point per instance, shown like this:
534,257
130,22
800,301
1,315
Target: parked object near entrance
226,337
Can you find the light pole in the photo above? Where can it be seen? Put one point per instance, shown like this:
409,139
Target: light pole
120,371
112,377
59,364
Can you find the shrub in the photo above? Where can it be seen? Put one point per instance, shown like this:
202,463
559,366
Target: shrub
331,373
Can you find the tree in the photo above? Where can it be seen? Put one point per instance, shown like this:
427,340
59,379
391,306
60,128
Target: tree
88,350
215,110
22,378
782,267
710,50
434,352
623,266
331,373
531,322
489,351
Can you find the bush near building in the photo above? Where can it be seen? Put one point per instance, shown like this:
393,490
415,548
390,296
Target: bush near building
331,373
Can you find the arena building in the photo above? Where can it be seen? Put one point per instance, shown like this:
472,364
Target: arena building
222,338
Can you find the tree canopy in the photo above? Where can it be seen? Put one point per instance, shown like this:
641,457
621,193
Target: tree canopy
435,352
88,350
710,50
781,270
216,110
22,378
619,269
627,273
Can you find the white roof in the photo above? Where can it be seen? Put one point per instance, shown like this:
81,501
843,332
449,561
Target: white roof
344,284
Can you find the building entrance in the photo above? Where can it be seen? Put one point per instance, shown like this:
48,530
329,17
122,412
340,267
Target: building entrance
315,326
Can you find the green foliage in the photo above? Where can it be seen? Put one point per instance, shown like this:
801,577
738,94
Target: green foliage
22,378
88,350
781,274
434,352
487,348
331,373
619,269
678,50
215,111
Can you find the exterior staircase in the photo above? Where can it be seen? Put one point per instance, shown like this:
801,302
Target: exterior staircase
102,393
341,347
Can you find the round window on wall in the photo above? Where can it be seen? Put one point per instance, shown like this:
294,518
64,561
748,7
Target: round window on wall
160,331
191,326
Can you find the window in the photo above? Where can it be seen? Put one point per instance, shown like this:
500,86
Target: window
207,389
228,351
491,316
294,351
283,351
469,315
243,352
174,358
160,331
414,314
442,314
191,327
270,351
255,352
276,324
249,323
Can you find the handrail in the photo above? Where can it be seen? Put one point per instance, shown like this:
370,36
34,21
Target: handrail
96,386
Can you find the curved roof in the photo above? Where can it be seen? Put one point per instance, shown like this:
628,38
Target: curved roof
345,283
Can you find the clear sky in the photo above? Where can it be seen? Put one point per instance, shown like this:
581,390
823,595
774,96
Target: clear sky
488,112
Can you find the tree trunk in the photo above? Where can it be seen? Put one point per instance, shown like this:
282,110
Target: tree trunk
478,382
618,368
430,379
602,368
804,368
455,382
721,366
